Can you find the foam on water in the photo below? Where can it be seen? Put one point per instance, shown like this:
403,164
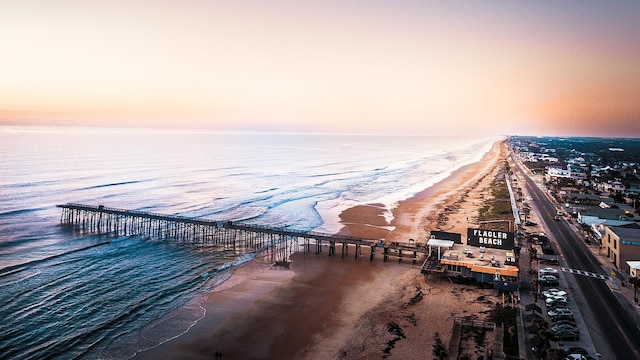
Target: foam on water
67,294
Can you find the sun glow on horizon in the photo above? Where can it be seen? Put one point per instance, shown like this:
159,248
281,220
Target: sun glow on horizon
355,67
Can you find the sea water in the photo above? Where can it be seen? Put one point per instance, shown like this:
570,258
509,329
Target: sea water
66,295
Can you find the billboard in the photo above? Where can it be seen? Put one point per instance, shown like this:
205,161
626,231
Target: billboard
490,238
443,235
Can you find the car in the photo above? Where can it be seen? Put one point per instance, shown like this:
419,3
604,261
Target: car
548,271
575,350
566,335
559,311
548,280
556,297
530,223
555,303
565,327
563,322
554,292
575,357
557,318
557,217
551,299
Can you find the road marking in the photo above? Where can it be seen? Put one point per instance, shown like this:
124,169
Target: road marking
586,273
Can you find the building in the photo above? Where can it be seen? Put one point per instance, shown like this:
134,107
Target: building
634,269
486,256
587,199
612,187
569,173
622,244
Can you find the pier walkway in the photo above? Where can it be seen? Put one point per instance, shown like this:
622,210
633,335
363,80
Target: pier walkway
226,235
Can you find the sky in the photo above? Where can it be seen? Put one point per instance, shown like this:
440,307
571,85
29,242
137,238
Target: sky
558,68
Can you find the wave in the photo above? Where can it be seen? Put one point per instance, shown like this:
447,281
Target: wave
242,259
22,266
24,211
113,184
113,287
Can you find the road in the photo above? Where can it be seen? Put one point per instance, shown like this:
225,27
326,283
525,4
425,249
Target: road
615,322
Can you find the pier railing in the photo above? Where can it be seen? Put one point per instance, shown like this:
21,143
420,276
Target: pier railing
225,234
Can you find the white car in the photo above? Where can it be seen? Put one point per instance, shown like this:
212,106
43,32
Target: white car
554,293
559,311
548,271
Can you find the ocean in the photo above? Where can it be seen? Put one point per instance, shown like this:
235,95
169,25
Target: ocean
68,295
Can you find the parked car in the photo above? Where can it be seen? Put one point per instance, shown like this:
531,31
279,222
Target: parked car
566,335
548,280
575,350
554,292
575,357
563,322
556,297
555,303
559,311
565,327
530,223
559,295
557,318
548,271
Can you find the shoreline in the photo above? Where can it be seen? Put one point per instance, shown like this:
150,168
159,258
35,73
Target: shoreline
319,307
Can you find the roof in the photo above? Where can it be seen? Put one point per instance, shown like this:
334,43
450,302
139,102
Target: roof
608,213
634,264
631,231
440,243
594,220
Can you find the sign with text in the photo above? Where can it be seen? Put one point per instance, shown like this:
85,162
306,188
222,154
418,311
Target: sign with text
490,238
443,235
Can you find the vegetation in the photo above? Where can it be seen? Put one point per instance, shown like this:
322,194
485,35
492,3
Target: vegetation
506,315
498,207
439,350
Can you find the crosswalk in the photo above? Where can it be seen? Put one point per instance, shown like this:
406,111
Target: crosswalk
586,273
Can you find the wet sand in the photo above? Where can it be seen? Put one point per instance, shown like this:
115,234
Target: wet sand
332,307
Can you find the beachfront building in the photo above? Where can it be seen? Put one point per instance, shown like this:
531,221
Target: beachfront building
487,257
622,244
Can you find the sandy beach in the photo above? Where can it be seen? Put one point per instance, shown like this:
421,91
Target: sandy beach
326,307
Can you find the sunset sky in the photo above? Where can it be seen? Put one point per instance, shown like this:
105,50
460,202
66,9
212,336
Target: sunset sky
409,67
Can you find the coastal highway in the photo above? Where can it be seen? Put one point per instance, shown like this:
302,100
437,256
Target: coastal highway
616,322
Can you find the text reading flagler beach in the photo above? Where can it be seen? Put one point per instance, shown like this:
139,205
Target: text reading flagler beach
98,296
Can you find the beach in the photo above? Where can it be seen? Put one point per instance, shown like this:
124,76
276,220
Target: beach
327,307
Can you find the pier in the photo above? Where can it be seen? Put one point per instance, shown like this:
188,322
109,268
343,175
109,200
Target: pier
227,235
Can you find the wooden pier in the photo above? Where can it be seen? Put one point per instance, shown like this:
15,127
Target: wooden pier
226,235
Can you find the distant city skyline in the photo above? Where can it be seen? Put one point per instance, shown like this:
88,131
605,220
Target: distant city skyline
387,67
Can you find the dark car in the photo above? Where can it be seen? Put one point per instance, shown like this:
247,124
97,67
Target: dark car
557,318
565,327
530,223
566,335
548,280
563,322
